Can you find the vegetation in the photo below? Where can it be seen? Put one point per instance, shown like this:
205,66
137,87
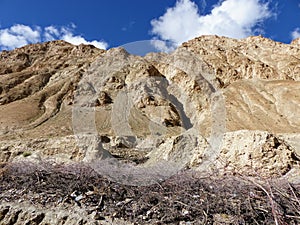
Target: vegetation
188,197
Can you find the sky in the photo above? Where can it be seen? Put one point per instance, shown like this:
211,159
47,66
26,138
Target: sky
157,24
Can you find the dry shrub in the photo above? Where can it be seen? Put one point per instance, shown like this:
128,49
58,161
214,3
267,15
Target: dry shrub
184,197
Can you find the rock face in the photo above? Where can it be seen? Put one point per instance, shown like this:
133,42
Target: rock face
252,57
37,83
215,102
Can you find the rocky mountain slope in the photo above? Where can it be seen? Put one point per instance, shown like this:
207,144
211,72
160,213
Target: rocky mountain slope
214,104
52,90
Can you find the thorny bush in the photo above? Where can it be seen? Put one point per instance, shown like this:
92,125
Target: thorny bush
184,197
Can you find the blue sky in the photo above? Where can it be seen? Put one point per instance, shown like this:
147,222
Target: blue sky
111,23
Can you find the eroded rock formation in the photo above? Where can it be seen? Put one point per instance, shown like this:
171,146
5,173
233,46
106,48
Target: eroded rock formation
214,103
52,90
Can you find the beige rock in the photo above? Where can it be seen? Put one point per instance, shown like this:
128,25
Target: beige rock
257,153
208,100
215,103
26,213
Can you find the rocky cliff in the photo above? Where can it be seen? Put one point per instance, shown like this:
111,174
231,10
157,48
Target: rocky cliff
214,104
53,92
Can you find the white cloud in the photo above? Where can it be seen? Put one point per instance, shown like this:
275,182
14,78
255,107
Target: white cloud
296,33
50,33
231,18
68,36
178,23
20,35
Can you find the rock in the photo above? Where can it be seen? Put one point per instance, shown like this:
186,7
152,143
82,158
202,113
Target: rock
124,142
224,219
296,42
248,58
24,213
104,99
93,148
257,152
185,150
246,152
215,104
215,101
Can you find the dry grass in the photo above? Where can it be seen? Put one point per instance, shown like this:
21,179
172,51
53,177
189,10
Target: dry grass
184,197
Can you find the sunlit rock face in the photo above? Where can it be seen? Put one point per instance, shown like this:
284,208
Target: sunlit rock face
213,103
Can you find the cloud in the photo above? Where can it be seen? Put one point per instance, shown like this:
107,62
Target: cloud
51,33
19,35
65,33
231,18
296,33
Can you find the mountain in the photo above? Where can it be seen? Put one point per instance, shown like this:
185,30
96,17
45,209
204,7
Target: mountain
214,104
